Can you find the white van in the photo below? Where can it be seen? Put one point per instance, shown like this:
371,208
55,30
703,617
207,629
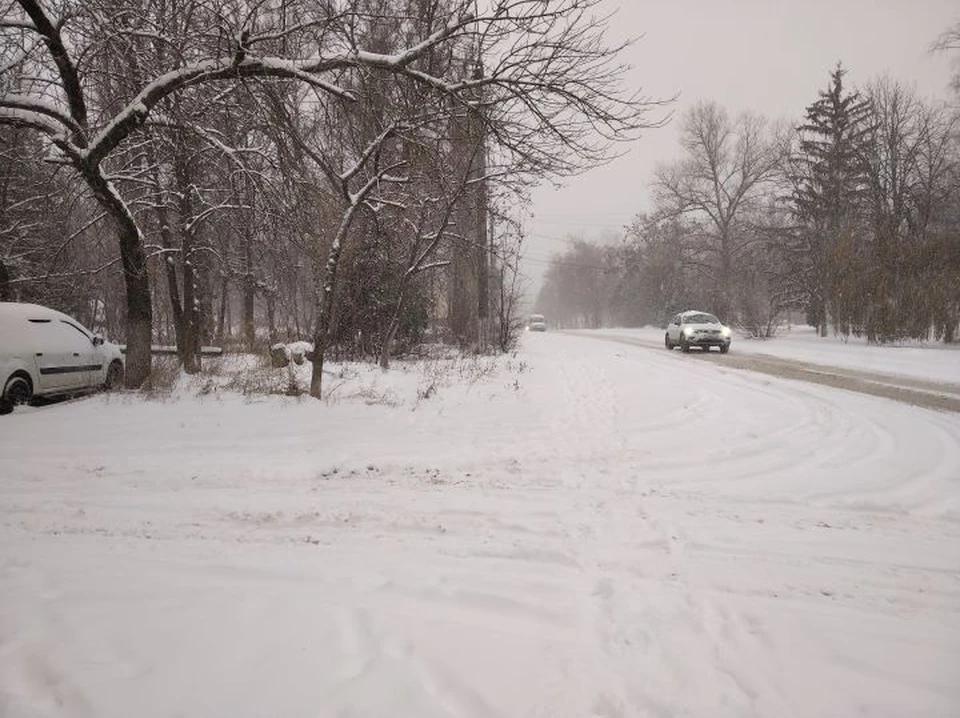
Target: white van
44,352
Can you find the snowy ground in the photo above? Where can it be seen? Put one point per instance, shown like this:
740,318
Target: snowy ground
590,528
933,361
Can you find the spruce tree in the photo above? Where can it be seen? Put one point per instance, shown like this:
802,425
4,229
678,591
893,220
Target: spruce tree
829,186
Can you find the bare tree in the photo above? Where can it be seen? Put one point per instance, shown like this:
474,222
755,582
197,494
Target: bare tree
661,270
949,42
578,285
509,284
550,91
726,166
911,167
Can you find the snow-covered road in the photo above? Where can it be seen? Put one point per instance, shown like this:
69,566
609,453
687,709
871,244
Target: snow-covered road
592,529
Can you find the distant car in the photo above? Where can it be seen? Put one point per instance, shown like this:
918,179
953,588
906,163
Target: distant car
694,328
45,353
537,323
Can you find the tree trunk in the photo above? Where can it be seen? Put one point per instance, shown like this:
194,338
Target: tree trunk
325,294
176,308
387,347
249,294
320,344
224,300
296,310
205,302
139,309
249,324
139,328
170,266
190,351
272,315
394,324
5,294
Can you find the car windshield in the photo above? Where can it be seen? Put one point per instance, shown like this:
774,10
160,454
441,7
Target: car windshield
700,318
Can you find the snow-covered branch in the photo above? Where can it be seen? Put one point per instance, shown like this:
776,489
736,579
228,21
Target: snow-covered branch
34,120
69,76
409,55
417,269
137,110
65,275
372,148
18,25
40,106
371,184
190,224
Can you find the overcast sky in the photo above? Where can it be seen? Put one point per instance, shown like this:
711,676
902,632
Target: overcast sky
767,56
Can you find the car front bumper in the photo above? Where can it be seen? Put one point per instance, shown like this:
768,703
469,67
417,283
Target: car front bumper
707,341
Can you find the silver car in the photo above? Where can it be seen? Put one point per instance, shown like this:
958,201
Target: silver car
694,328
44,352
537,323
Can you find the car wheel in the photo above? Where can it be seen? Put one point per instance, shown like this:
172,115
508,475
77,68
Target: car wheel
16,391
5,407
114,379
684,345
724,348
667,343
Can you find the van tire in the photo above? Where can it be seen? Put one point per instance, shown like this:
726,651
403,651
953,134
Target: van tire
114,380
17,390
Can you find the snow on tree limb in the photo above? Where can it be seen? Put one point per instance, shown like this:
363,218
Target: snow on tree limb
407,56
40,106
138,109
371,149
50,32
41,122
18,25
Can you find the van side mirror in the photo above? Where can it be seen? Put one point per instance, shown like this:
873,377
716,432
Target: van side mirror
97,340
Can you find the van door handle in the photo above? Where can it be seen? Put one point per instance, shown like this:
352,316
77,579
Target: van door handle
76,354
39,354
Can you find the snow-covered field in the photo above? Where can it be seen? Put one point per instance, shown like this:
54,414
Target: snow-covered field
588,528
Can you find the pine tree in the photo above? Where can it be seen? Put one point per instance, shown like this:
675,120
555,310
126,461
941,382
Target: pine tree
829,185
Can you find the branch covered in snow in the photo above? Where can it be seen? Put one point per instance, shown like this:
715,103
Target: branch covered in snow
39,106
69,76
41,122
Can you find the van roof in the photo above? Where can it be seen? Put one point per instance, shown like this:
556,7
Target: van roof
22,310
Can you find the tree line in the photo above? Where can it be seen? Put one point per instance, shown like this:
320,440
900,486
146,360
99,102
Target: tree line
348,171
850,216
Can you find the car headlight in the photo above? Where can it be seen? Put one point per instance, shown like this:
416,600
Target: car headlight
725,331
688,331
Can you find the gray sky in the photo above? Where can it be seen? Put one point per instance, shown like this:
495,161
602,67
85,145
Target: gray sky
766,56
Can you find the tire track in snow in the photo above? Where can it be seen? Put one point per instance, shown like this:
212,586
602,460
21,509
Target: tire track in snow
607,522
572,571
849,445
943,396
